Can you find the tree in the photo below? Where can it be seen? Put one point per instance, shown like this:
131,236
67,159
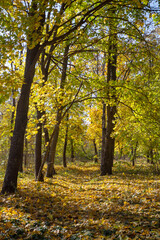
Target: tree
36,22
16,149
107,161
42,24
65,142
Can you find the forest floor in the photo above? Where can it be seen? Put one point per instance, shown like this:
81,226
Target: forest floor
80,204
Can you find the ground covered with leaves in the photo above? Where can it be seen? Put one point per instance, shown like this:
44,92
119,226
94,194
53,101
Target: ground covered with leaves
79,204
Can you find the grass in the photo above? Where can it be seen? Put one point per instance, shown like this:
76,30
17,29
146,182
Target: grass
78,203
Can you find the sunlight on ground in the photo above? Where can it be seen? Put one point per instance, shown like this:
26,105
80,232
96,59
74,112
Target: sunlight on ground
79,204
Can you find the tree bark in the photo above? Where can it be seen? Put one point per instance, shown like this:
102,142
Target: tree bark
133,154
96,152
110,142
103,163
13,112
107,162
17,142
38,147
50,166
151,155
65,145
72,151
26,152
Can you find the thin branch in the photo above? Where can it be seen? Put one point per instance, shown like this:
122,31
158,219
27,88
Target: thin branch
72,101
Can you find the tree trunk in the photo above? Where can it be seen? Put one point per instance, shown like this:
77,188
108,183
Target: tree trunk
65,145
103,163
148,160
72,151
107,162
38,147
17,142
26,152
13,112
110,142
50,166
46,135
96,152
151,155
133,154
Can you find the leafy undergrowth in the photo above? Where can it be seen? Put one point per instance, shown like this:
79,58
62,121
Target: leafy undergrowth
79,204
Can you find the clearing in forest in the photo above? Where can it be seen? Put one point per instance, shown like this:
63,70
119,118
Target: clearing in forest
79,204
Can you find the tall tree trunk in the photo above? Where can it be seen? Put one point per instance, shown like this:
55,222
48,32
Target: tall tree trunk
50,163
151,155
50,166
95,151
109,144
13,112
17,142
65,145
103,163
133,154
111,108
26,152
38,147
72,151
148,160
46,135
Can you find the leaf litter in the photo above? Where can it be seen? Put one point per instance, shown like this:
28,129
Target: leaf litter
77,203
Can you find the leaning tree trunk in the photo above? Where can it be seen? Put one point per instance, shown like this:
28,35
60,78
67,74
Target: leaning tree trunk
52,153
17,142
50,163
